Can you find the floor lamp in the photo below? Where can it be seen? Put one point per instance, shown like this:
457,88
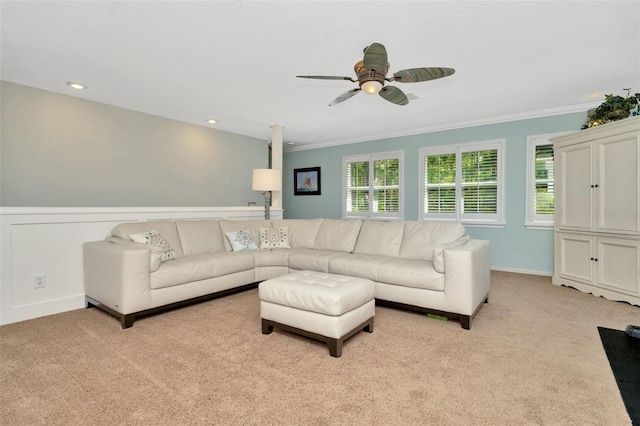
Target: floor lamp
267,180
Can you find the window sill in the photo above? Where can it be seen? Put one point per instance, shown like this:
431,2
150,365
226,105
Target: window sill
469,223
545,226
367,217
484,224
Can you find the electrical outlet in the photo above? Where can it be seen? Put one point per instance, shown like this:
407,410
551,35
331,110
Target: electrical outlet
39,281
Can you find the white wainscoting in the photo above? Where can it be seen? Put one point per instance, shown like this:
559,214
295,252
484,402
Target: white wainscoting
49,241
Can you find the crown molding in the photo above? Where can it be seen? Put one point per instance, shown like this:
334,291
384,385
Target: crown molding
472,123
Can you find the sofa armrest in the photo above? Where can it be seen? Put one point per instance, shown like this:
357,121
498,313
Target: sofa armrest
117,275
467,276
155,258
438,252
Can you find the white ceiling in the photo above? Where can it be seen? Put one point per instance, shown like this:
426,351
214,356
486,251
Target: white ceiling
236,61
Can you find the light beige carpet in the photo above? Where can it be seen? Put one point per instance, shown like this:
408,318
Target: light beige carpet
533,357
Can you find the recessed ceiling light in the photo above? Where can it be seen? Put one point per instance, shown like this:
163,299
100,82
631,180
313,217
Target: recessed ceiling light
211,121
76,86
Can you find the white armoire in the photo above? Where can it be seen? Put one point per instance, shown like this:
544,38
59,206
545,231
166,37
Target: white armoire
597,206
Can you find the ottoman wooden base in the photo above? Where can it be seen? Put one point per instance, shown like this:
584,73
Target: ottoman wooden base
335,345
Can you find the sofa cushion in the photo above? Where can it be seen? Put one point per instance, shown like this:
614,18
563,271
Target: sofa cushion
302,232
421,238
200,236
275,257
380,238
154,239
271,238
201,267
338,235
410,273
253,226
314,260
241,240
356,265
166,228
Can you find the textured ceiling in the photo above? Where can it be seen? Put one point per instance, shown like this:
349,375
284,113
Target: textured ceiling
236,61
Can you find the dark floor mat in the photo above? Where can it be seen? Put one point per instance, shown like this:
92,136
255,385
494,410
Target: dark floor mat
624,357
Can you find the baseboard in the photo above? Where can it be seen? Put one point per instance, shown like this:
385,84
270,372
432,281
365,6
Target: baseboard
36,310
522,271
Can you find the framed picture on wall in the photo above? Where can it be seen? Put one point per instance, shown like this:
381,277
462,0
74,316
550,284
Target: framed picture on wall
306,181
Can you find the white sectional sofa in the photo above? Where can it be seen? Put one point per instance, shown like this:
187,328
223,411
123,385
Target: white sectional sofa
430,267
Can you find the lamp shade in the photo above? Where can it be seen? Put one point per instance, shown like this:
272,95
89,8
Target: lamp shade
266,180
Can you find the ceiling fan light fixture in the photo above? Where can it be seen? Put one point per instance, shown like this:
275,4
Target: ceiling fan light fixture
371,87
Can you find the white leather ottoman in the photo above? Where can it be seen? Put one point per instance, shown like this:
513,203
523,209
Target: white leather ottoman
326,307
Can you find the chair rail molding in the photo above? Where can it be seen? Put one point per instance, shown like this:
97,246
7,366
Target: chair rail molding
37,241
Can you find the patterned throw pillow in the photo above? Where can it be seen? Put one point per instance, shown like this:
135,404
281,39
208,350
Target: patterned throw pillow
241,240
274,238
153,238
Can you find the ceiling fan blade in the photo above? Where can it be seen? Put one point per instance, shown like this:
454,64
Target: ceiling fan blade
326,77
375,58
344,96
394,95
414,75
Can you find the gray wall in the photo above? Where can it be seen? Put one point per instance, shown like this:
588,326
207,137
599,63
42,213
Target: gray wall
63,151
513,247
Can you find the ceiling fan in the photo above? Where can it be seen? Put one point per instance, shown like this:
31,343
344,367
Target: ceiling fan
372,73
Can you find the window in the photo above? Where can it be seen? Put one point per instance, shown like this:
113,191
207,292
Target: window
540,192
373,185
440,184
463,183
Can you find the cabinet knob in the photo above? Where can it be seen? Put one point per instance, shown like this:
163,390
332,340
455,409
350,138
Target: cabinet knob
592,258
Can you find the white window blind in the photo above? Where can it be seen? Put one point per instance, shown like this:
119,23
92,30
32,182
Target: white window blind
540,194
386,185
440,183
373,185
357,187
544,195
479,182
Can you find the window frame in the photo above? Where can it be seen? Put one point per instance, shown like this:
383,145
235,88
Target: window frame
532,219
468,219
372,158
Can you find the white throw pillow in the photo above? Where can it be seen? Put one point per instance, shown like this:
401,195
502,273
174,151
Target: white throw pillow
274,238
153,238
241,240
